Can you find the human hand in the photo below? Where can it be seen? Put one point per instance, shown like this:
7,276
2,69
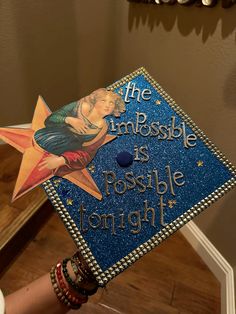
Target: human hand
77,123
52,162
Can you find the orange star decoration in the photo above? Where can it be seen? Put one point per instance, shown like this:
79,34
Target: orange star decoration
30,175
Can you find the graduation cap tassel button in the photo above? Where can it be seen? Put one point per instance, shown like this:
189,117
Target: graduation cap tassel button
124,159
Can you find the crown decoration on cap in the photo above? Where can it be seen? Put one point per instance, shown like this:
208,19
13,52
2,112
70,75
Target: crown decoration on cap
124,167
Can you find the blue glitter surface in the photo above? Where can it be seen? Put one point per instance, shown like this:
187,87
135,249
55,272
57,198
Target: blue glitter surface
108,244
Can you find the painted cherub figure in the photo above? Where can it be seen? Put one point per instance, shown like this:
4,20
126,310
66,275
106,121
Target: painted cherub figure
74,130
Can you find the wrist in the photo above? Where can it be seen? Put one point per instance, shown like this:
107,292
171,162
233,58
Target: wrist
71,271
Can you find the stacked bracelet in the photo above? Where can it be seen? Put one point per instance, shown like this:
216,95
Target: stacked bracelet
68,292
59,293
71,292
75,268
85,273
70,281
76,259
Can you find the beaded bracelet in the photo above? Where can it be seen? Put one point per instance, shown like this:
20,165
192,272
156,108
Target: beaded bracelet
62,298
75,258
71,296
85,272
69,280
74,267
80,278
77,286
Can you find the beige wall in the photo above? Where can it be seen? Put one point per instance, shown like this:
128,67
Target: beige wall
64,49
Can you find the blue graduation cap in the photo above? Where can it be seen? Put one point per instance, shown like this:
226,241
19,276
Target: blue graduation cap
125,182
158,173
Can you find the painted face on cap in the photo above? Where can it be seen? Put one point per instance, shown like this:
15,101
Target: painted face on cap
105,105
